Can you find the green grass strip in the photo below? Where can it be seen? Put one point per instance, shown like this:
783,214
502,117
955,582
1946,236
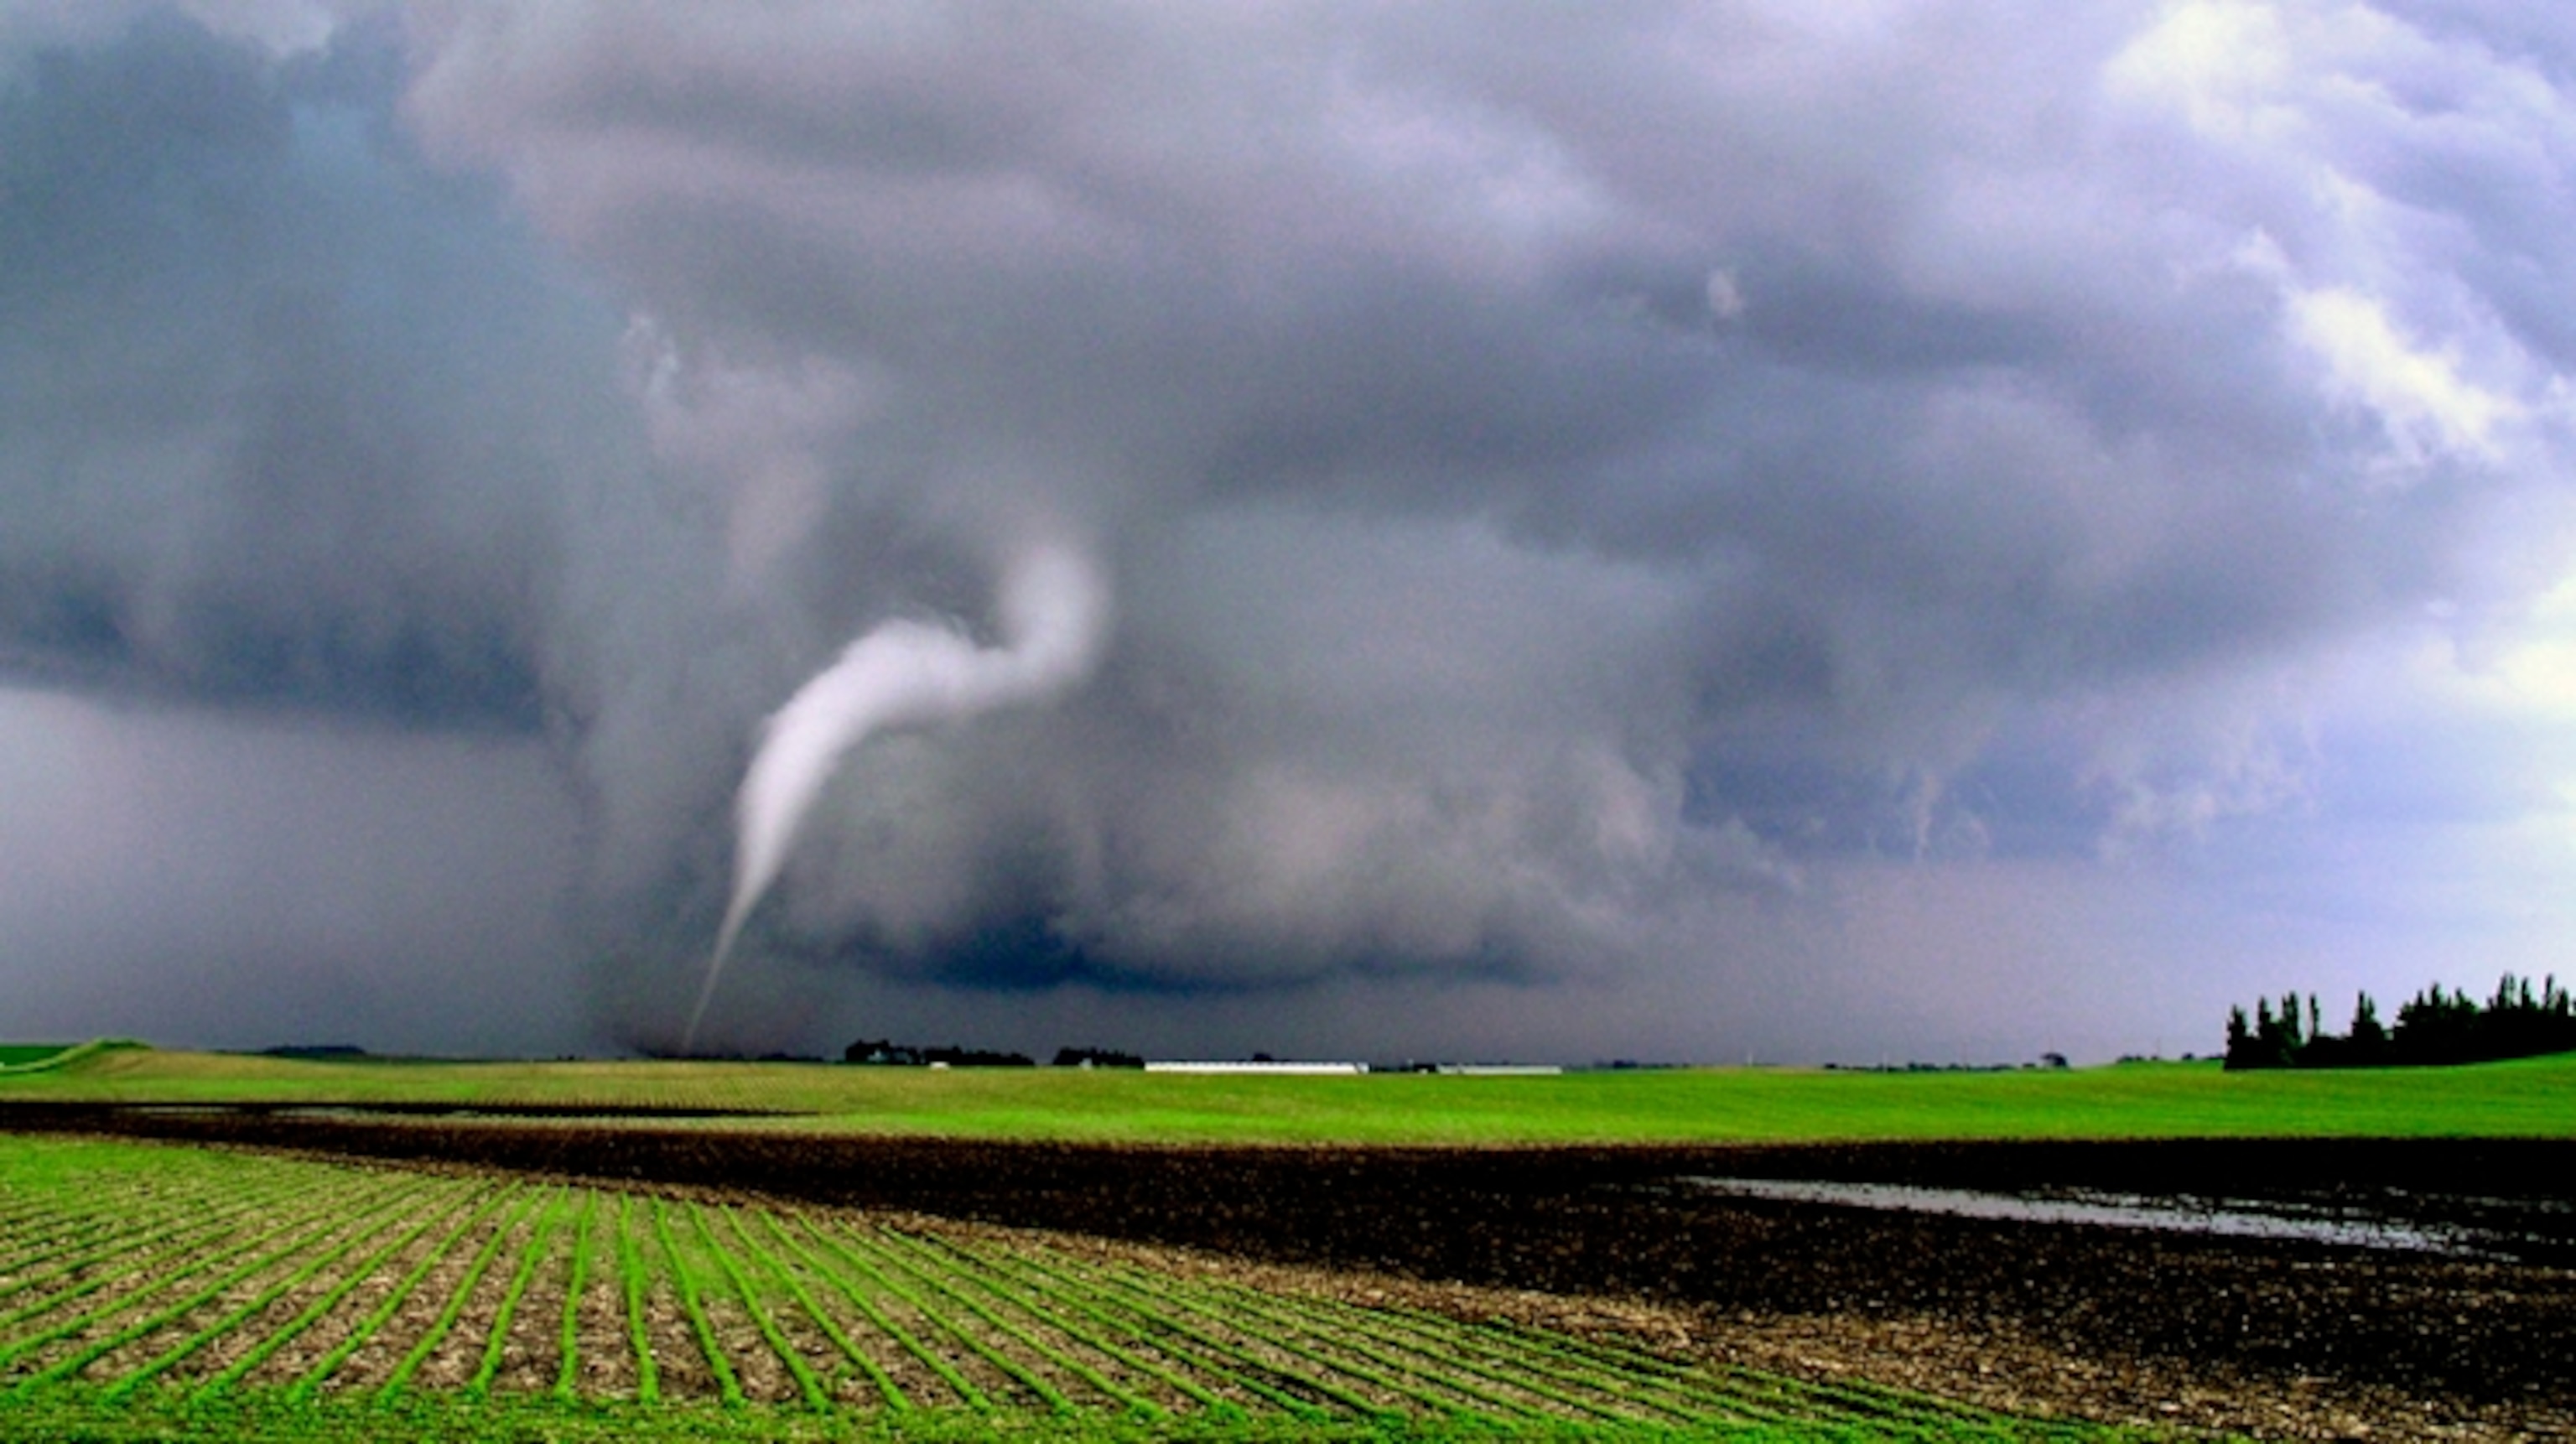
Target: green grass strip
328,1300
306,1238
778,1270
1018,1372
806,1383
321,1220
630,1272
684,1279
76,1053
431,1337
31,1059
577,1278
922,1354
496,1340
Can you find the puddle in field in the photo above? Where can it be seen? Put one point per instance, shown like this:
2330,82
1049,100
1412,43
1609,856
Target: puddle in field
2233,1218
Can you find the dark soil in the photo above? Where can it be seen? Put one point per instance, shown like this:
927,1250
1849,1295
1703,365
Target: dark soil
2284,1338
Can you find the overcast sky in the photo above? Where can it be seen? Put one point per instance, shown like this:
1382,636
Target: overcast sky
1653,530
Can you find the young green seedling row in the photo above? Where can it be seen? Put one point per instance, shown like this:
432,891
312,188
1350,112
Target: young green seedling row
142,1284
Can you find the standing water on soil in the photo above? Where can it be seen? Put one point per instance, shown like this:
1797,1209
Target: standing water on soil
2234,1218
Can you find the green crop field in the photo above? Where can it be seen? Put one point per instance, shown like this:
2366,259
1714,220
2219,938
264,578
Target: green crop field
160,1291
2531,1098
151,1291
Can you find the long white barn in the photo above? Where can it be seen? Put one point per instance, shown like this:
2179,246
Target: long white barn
1192,1067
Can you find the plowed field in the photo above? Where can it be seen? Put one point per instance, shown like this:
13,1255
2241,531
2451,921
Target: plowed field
1591,1249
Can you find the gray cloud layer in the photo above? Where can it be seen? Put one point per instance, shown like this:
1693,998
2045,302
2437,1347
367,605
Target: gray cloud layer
1567,474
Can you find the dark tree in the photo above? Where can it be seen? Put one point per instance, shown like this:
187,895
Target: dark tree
2436,1026
1096,1058
2243,1049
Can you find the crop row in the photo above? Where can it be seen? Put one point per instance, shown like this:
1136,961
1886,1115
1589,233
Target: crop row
159,1272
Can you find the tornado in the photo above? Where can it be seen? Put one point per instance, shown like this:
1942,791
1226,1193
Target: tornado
1052,607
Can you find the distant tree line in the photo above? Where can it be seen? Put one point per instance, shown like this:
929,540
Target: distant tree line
2432,1027
904,1055
887,1054
1096,1058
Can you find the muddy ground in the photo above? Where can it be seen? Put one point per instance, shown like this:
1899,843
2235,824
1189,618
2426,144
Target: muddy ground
2277,1338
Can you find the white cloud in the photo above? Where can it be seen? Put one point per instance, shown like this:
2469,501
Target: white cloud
2421,395
2222,63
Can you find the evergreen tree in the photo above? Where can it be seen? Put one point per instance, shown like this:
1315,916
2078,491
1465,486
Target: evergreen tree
2436,1026
2240,1041
2368,1043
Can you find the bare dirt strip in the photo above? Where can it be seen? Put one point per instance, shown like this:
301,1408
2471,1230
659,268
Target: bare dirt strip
2280,1338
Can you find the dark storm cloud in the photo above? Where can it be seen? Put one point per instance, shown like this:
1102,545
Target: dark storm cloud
1562,472
277,425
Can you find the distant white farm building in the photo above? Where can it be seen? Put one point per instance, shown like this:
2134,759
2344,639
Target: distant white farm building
1262,1067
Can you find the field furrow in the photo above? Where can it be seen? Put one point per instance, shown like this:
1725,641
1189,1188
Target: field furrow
123,1253
485,1339
1147,1352
980,1371
355,1310
849,1375
907,1370
257,1335
1442,1347
762,1371
447,1348
685,1272
231,1286
1032,1336
134,1317
1203,1342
